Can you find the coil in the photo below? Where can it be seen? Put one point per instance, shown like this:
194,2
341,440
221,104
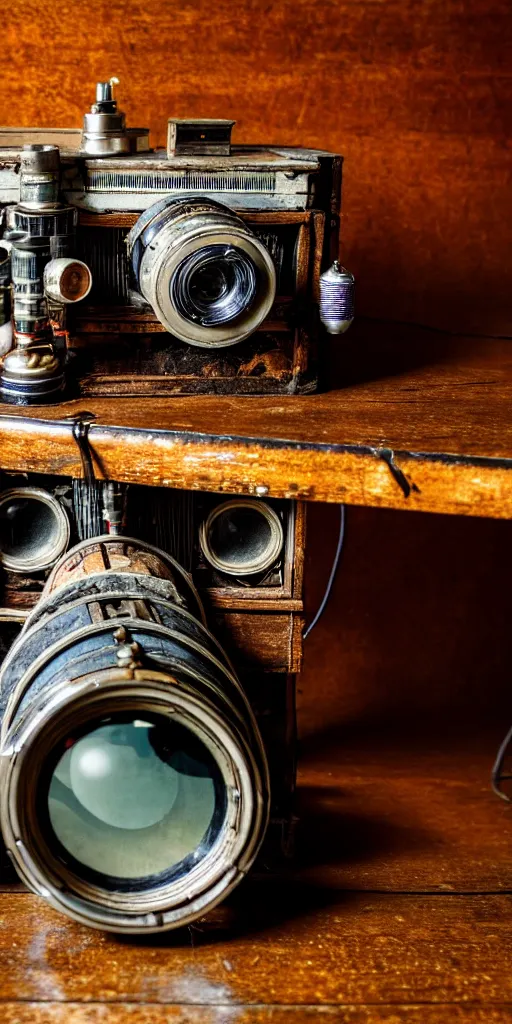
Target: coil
337,294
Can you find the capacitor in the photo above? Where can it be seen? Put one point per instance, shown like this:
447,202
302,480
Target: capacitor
5,300
337,289
39,176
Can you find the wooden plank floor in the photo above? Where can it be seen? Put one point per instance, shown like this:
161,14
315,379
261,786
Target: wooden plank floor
412,419
398,908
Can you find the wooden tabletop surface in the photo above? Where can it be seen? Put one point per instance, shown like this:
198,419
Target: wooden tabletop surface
413,419
397,909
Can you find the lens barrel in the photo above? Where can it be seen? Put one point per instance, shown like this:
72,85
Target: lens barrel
210,280
214,285
152,793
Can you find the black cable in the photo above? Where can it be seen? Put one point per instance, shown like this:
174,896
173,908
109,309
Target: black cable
81,436
332,576
496,775
87,491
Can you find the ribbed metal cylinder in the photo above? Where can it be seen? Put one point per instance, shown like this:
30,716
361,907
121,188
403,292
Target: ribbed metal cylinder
43,223
5,289
134,785
39,177
337,296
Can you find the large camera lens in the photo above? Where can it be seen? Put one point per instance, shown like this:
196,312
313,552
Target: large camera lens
133,780
132,799
209,279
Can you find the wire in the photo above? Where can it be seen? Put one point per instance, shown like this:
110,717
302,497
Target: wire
332,576
496,775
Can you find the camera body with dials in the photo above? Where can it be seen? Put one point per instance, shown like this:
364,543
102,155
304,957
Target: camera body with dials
190,270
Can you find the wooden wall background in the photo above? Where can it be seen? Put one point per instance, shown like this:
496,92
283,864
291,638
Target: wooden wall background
417,96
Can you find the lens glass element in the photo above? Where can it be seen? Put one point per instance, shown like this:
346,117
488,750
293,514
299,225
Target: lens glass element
133,799
214,285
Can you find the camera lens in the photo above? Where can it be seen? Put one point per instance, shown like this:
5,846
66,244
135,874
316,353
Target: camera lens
209,279
135,790
214,285
133,798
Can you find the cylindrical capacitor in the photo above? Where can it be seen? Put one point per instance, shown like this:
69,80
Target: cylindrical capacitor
28,259
39,177
67,280
337,287
5,300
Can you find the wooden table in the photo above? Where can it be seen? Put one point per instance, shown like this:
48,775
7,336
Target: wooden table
413,420
398,907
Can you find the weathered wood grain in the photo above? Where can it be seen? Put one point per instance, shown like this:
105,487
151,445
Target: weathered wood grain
420,421
130,1013
416,96
286,944
399,813
271,642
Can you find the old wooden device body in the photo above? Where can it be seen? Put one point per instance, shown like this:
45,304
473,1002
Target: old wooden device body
288,197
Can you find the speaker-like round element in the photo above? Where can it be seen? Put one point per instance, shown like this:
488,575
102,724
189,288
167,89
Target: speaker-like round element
34,529
241,537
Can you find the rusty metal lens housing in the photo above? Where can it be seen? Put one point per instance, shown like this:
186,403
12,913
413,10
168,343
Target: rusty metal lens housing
152,797
210,280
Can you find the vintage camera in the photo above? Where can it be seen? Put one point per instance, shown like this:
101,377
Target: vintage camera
187,271
147,704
